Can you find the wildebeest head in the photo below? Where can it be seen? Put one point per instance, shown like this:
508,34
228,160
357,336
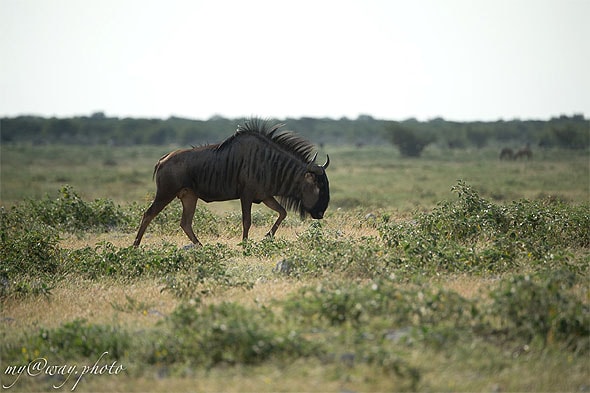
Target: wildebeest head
315,193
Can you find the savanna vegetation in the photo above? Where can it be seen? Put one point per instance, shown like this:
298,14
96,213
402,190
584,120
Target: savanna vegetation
452,272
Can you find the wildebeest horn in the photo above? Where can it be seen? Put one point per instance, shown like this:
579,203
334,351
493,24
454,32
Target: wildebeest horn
318,169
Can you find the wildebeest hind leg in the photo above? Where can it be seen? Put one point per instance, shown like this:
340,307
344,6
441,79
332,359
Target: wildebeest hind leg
246,216
189,204
276,206
152,211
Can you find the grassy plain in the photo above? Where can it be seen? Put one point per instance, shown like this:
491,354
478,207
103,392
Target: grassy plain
392,291
366,178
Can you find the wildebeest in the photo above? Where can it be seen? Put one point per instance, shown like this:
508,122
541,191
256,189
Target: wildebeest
256,164
506,154
525,152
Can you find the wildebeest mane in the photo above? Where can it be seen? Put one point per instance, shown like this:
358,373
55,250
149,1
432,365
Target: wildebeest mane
288,140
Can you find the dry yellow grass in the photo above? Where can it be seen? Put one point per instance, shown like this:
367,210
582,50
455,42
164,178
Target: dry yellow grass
93,301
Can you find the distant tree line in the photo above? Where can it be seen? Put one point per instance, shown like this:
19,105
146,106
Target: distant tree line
410,136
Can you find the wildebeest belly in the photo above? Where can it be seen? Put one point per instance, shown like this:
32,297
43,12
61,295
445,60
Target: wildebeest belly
217,195
216,198
210,194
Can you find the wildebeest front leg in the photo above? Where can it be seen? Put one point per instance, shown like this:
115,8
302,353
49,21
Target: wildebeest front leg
276,206
189,204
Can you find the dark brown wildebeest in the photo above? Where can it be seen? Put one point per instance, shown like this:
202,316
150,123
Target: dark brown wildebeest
525,152
506,154
254,165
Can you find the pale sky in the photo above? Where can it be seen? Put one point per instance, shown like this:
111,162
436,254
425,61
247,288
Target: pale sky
456,59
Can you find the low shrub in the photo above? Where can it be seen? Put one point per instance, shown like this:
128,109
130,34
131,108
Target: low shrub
266,248
26,246
522,309
543,307
319,251
227,333
77,339
357,305
131,262
29,256
475,235
69,212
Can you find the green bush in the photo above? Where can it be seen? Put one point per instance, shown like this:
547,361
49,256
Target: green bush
29,255
131,262
68,212
72,340
357,305
319,251
26,246
475,235
543,307
266,248
71,213
522,309
227,333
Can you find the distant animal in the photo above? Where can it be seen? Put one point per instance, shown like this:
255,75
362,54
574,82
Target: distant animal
507,154
525,152
256,164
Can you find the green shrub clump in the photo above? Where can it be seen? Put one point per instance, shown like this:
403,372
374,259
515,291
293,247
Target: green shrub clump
475,235
543,308
227,333
69,212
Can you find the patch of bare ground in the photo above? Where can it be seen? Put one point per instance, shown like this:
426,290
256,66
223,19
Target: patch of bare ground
468,286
